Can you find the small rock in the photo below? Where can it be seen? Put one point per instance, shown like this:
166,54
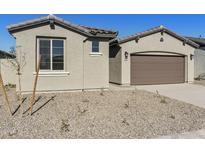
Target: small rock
172,116
14,132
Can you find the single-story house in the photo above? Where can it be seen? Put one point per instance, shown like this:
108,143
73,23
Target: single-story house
72,56
155,56
199,57
8,73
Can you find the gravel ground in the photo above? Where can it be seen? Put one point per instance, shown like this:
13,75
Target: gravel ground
100,114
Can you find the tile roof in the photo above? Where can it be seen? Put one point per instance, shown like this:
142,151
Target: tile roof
90,31
198,40
4,54
152,31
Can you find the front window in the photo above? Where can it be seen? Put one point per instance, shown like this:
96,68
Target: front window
95,46
52,54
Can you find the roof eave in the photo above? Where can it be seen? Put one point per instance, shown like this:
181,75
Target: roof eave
187,41
81,30
21,27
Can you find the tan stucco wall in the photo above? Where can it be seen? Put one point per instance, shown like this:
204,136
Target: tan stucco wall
7,71
152,43
115,66
199,59
96,72
95,67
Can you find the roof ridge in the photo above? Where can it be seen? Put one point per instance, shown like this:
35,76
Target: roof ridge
83,26
157,29
91,31
138,33
99,28
26,22
202,38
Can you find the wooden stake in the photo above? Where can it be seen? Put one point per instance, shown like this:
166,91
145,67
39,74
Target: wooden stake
5,95
34,86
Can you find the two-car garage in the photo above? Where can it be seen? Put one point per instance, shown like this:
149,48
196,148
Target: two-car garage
157,69
155,56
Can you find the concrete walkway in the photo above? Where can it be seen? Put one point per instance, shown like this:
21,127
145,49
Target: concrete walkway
200,134
189,93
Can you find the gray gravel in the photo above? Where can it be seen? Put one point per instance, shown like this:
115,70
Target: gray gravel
107,114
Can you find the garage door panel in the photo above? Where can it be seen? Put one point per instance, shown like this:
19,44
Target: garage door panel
157,69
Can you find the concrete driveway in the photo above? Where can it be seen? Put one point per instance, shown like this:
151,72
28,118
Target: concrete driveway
190,93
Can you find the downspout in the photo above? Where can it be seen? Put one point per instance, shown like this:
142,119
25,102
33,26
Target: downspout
84,63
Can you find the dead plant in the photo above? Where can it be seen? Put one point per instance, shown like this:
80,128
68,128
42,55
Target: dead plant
82,111
7,88
134,91
85,100
162,98
65,126
126,105
17,64
11,85
125,122
13,133
102,91
172,116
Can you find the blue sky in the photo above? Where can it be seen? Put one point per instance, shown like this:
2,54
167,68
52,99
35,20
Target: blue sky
186,25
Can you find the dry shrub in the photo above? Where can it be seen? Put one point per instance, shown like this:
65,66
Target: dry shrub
126,105
134,91
6,88
125,122
102,91
172,116
65,126
162,98
13,133
85,100
82,111
17,64
11,85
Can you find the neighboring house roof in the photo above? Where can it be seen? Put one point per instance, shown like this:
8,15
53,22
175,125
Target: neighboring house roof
198,40
4,54
51,19
152,31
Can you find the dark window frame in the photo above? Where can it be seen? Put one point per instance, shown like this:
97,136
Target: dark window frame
51,39
95,46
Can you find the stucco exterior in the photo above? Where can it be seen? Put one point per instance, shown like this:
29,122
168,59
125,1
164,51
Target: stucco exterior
82,69
115,63
151,44
199,65
7,71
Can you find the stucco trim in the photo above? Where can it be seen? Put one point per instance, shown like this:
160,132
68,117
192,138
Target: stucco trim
160,52
52,73
95,54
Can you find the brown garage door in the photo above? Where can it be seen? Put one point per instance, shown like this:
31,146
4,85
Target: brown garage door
157,69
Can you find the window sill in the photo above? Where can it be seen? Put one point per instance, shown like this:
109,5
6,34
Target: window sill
95,54
52,73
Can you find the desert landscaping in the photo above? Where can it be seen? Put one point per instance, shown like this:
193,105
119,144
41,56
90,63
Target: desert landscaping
98,114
